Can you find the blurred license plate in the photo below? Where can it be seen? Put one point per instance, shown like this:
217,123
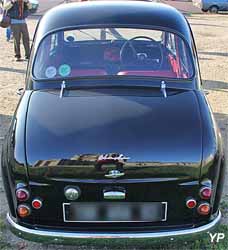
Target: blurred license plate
115,211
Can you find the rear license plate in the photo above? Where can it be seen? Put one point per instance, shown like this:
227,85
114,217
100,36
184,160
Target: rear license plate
115,211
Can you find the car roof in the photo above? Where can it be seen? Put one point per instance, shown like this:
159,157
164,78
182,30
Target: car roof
122,13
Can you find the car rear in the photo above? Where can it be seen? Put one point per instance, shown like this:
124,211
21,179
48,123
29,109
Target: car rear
149,180
114,143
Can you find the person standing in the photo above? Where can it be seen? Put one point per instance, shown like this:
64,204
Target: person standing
8,34
18,10
8,30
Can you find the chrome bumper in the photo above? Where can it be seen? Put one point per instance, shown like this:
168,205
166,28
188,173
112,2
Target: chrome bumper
61,237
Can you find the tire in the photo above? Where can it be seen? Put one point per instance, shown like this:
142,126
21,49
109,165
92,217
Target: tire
214,9
204,10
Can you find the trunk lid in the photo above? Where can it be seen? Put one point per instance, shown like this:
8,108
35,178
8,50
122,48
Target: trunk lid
153,138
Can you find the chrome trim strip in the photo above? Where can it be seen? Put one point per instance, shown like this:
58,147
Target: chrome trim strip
64,213
33,183
114,174
65,220
124,181
166,210
56,236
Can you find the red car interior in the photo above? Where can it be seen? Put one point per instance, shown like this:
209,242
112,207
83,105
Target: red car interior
88,72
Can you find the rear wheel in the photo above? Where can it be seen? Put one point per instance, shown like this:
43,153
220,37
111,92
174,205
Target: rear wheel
214,9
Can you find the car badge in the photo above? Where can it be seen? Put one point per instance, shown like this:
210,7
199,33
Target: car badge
114,174
109,158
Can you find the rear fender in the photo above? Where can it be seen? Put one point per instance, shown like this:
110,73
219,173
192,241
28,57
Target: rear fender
14,167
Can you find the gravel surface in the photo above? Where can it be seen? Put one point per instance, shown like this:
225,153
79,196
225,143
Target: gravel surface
211,40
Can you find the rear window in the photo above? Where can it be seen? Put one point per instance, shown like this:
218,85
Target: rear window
113,51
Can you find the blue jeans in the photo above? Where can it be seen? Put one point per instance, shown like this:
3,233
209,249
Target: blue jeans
8,33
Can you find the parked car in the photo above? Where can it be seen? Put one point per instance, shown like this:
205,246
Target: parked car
211,5
113,136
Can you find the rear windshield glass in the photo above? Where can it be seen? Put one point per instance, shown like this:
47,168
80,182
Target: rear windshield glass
113,51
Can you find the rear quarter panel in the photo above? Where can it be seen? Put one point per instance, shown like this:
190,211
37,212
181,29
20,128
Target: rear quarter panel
13,161
213,158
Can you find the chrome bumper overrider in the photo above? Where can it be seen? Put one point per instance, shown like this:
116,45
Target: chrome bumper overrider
54,236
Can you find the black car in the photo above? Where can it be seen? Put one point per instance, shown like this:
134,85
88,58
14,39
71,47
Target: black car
113,136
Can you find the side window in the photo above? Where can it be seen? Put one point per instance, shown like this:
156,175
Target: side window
185,63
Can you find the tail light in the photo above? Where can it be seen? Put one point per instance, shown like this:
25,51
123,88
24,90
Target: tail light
205,193
37,203
22,194
190,203
23,210
204,208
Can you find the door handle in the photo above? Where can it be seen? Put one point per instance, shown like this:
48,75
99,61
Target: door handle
114,195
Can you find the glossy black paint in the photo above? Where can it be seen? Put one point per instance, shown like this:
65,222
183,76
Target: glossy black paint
173,143
132,123
110,13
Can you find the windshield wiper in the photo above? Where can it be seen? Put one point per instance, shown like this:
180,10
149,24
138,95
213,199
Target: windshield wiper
64,87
